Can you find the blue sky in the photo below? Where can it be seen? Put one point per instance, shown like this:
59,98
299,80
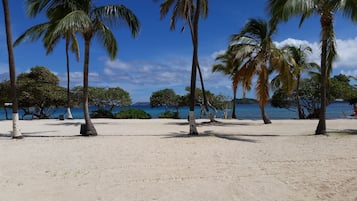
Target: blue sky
159,58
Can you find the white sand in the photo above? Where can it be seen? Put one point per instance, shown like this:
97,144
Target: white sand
140,160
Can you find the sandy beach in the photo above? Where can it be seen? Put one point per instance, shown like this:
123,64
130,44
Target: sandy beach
140,160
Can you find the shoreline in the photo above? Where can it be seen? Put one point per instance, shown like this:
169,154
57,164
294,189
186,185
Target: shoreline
155,159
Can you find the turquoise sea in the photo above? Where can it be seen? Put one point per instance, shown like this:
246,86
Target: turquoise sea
244,111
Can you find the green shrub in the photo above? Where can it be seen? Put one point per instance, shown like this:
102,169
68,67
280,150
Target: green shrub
169,115
101,113
132,113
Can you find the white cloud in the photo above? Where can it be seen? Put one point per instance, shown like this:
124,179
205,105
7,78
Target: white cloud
346,49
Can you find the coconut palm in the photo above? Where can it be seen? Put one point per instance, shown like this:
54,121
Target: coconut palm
300,65
12,69
254,47
46,29
283,10
189,11
232,67
90,21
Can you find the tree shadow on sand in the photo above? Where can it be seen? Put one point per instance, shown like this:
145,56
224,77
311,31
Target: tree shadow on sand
216,123
231,137
343,132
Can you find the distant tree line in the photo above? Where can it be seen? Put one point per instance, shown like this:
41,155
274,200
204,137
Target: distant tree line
39,92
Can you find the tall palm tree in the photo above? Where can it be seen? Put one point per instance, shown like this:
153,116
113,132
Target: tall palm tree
254,47
12,69
232,67
299,66
189,11
91,21
283,10
46,29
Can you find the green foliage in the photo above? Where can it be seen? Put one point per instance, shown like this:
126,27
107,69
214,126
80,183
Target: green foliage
340,88
40,89
101,97
246,101
310,96
165,97
101,113
132,113
169,115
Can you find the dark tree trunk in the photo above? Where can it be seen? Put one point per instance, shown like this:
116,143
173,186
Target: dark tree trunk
321,127
194,34
12,69
68,81
205,101
234,116
89,128
265,117
298,104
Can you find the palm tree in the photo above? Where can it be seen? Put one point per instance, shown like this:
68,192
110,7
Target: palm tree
232,67
299,66
283,10
91,21
12,69
189,11
255,49
46,29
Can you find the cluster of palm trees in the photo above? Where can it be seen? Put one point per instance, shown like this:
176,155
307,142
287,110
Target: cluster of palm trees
251,52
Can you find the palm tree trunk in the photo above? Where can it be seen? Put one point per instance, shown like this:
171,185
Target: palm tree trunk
234,116
68,81
89,128
12,69
194,34
205,101
298,105
265,117
321,127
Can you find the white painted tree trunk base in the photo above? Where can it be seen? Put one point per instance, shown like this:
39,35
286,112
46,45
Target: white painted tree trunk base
69,113
16,133
192,123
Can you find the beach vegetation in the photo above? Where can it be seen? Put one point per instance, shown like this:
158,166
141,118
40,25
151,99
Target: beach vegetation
132,113
103,97
309,95
169,115
258,56
229,65
38,91
190,12
49,39
169,99
283,10
299,65
91,22
101,113
16,133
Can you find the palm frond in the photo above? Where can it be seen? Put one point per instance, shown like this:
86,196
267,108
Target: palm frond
33,33
110,14
107,38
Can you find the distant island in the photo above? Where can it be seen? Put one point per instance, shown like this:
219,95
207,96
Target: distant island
246,101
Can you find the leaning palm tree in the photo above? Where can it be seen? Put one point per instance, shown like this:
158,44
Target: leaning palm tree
283,10
255,49
46,29
12,69
232,67
189,11
91,21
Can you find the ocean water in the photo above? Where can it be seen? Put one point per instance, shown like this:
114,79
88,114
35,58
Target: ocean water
243,111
